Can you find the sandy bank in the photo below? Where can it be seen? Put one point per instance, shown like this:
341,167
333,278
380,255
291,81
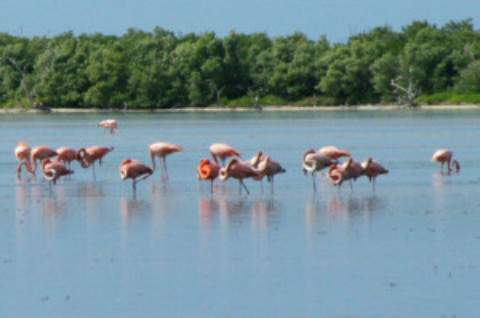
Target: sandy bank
244,109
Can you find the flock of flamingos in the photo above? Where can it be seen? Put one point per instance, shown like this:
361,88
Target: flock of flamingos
256,168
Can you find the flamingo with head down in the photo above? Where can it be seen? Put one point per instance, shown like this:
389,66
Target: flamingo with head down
53,170
40,153
87,156
134,169
162,150
239,170
446,156
221,151
22,153
66,155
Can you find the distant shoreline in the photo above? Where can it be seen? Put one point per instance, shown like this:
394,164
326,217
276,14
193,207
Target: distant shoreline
214,109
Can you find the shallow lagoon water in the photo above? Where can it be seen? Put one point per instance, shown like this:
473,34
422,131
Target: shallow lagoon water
95,249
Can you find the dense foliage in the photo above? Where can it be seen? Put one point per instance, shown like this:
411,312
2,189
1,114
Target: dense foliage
161,69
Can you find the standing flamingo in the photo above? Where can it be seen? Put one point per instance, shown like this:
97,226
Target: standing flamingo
53,170
40,153
445,156
239,170
109,124
207,170
133,169
333,152
272,168
314,161
88,156
66,155
349,170
372,170
22,154
222,151
162,150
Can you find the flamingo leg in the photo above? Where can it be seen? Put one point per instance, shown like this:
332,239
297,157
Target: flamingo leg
165,168
244,186
314,183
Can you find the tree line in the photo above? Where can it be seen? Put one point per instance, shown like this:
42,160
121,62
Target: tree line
161,69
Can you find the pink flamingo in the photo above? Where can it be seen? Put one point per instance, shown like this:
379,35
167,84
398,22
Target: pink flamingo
109,124
273,167
239,170
22,153
66,155
349,170
372,170
40,153
315,161
445,156
162,150
207,170
53,170
222,151
333,152
87,156
133,169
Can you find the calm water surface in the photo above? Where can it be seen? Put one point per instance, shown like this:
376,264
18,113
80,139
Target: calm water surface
95,249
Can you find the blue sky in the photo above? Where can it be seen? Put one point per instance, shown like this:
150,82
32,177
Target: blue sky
336,19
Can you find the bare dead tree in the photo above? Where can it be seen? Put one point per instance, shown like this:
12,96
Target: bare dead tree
406,94
29,94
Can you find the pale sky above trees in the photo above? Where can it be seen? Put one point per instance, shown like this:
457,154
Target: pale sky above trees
336,19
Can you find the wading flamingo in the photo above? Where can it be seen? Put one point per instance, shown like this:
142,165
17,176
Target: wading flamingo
349,170
372,170
40,153
66,155
272,168
208,170
53,170
109,124
239,170
222,151
446,156
314,161
133,169
87,156
162,150
22,154
333,152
